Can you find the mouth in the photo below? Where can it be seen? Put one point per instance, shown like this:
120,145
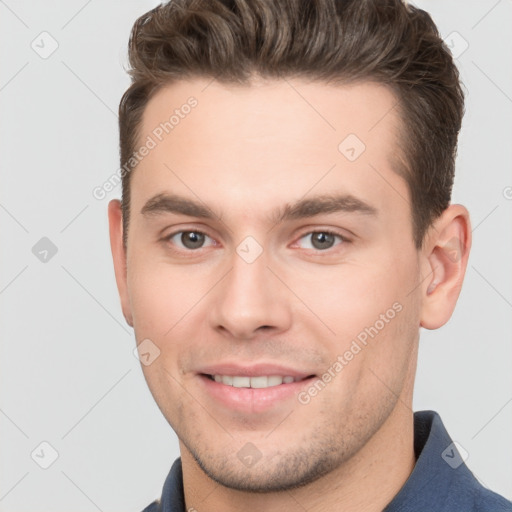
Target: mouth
253,390
255,382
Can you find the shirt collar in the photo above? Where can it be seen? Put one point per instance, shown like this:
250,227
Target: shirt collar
432,475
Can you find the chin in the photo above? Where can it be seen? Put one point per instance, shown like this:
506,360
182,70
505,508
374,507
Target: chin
276,473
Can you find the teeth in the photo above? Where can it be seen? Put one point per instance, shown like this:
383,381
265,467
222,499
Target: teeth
258,382
241,382
276,380
227,379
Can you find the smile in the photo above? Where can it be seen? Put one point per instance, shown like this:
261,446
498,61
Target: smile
256,382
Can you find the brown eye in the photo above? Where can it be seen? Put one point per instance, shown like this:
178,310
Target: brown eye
190,240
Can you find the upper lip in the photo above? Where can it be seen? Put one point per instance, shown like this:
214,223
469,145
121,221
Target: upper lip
253,370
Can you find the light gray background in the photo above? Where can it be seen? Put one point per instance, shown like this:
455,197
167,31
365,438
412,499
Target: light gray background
68,375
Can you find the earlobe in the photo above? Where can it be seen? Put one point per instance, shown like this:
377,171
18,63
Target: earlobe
115,220
444,263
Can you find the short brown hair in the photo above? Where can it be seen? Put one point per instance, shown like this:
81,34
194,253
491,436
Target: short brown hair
384,41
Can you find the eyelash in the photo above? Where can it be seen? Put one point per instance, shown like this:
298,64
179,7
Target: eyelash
343,239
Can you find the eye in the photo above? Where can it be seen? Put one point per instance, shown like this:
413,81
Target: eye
320,240
190,240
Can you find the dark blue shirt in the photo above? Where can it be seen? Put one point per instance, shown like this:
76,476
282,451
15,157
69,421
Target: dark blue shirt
440,481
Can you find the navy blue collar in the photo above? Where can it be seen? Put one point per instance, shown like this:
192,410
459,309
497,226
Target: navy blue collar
440,481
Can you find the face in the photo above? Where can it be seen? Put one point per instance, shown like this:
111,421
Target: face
271,265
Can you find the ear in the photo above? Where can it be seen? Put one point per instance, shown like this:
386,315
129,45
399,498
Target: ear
115,221
444,261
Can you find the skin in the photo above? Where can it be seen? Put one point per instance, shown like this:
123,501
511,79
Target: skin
244,153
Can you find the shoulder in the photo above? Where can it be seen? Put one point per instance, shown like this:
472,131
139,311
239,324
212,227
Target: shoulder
488,501
441,480
172,499
153,507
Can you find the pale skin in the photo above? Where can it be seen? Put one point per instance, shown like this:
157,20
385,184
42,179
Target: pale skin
243,154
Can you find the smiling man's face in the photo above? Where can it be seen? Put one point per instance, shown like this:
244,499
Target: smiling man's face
262,253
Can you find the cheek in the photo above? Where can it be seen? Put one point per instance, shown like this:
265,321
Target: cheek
348,299
372,316
162,296
168,309
371,366
384,337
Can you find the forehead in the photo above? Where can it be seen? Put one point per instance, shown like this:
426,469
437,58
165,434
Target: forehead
281,138
276,110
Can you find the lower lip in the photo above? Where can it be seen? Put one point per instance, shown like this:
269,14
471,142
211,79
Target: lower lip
253,400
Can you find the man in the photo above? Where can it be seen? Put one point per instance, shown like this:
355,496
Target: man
285,230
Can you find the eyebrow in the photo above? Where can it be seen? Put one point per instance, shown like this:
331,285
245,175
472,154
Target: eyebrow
303,208
168,203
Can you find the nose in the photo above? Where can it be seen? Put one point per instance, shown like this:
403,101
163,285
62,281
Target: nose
250,300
